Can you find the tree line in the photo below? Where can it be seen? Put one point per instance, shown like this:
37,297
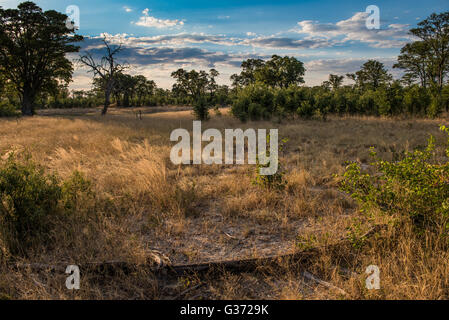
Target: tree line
35,73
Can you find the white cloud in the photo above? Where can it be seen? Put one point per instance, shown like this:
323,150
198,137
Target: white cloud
152,22
286,43
127,9
354,29
250,34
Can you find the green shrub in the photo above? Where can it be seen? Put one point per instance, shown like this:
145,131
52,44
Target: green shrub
305,110
416,188
7,109
201,109
254,102
31,202
436,106
416,100
275,181
29,198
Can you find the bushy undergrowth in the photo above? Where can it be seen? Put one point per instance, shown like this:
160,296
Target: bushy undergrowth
201,109
30,203
259,101
415,188
272,182
7,109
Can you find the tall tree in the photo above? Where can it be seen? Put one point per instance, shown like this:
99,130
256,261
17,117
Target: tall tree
248,74
144,88
434,32
417,63
33,48
107,69
195,85
191,83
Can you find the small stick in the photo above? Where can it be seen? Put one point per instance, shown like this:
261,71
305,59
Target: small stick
310,276
182,294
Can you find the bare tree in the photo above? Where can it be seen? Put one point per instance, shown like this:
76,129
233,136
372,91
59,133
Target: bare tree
107,70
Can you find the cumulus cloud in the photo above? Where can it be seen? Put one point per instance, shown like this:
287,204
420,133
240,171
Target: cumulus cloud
127,9
151,22
141,52
354,29
286,43
222,40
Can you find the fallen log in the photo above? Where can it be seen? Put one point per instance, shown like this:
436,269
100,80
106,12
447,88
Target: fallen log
165,270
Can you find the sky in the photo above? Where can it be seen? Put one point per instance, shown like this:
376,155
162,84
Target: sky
160,37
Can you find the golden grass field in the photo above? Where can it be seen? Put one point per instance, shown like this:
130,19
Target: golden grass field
196,214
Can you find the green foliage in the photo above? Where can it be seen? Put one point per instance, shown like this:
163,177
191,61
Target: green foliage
30,203
201,109
278,72
372,75
275,181
429,55
75,190
7,109
416,187
29,198
254,102
31,37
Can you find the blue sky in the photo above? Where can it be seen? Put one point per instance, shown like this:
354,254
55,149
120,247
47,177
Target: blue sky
161,36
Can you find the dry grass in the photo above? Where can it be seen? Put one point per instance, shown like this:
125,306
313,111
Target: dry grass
213,213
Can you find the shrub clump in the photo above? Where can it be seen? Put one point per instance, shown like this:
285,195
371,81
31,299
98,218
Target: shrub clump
7,109
416,188
30,203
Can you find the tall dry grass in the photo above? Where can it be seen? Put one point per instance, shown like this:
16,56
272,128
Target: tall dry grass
208,213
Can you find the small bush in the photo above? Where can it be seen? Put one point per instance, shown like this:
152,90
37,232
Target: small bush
31,202
275,181
29,198
201,109
254,102
416,188
8,110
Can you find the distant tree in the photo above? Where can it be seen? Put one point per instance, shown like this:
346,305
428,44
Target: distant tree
193,83
33,48
434,32
372,75
334,81
196,85
107,69
127,85
144,88
212,85
280,72
248,74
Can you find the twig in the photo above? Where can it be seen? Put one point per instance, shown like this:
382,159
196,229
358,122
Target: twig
182,294
310,276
